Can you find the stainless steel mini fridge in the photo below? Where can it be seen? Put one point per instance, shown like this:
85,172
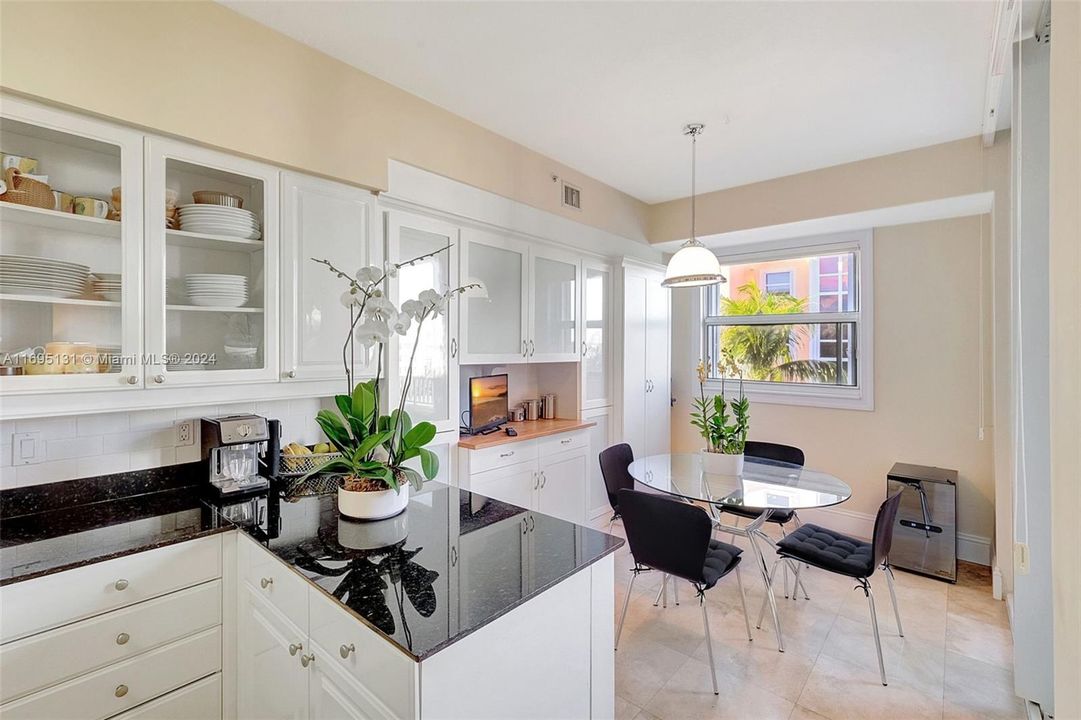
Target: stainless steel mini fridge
925,537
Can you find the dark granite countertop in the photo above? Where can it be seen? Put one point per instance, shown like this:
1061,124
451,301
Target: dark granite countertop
59,526
451,563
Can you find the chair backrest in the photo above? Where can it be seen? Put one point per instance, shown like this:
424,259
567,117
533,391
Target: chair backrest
773,451
614,463
665,534
885,521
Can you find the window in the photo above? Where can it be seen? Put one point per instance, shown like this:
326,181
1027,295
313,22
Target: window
794,321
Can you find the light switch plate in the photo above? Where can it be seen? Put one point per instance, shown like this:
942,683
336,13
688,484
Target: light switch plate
27,448
1021,558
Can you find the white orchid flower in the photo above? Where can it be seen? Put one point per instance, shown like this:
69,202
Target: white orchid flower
390,269
349,298
369,275
433,301
413,308
380,309
400,324
371,333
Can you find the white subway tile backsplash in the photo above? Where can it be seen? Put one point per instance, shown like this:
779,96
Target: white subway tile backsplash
102,424
50,428
46,472
73,447
152,419
104,464
140,440
5,454
143,459
241,408
7,428
189,453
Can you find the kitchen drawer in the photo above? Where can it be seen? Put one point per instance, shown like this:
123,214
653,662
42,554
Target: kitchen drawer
499,456
116,688
548,446
274,581
58,655
200,700
384,673
43,603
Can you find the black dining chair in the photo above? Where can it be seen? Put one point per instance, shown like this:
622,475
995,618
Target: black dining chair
675,538
838,553
614,463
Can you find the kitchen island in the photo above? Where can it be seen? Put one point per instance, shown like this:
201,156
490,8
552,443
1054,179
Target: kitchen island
463,606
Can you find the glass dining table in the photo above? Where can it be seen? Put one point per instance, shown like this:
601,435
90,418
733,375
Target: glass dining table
764,485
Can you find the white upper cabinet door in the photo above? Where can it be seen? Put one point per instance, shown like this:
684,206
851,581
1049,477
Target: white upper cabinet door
494,329
212,284
635,383
65,315
327,221
597,326
554,287
433,386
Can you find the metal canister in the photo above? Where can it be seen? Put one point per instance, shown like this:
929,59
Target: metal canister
532,409
548,405
518,413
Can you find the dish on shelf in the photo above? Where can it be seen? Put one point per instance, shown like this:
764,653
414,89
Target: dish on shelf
25,275
216,289
215,197
107,285
219,220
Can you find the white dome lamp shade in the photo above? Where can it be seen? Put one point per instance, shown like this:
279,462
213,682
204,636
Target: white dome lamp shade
693,265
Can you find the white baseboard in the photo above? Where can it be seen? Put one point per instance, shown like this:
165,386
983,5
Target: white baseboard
971,548
997,590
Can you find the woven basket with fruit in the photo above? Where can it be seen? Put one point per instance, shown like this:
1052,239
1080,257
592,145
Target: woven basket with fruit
298,460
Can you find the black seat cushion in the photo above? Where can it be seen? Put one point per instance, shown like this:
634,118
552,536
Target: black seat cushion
829,550
780,517
721,558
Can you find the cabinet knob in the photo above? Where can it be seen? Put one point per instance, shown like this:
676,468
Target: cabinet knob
306,660
294,648
121,584
344,650
291,374
454,347
266,582
159,379
121,690
122,638
132,380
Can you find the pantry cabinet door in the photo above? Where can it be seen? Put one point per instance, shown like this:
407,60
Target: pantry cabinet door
554,285
326,221
433,348
271,682
71,284
494,329
598,332
212,285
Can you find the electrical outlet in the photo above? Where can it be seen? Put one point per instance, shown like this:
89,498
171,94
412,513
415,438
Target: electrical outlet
1020,557
185,432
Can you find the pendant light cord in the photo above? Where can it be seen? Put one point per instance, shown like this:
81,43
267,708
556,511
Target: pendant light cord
694,157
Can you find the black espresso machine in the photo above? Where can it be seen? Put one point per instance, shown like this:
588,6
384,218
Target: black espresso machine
242,453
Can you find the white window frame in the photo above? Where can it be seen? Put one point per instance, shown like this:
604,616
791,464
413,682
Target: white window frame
765,279
858,397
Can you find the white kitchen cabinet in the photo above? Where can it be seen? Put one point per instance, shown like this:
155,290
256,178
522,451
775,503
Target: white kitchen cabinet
646,406
194,344
600,437
554,285
515,484
84,334
272,684
327,221
500,545
562,489
332,694
598,324
433,390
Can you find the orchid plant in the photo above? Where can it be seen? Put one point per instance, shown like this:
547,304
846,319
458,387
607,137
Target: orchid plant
710,415
374,446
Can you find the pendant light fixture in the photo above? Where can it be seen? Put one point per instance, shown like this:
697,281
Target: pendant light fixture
694,264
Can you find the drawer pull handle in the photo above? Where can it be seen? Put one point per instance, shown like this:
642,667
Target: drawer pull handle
346,649
544,480
506,454
266,582
122,639
294,648
565,442
121,584
306,660
121,690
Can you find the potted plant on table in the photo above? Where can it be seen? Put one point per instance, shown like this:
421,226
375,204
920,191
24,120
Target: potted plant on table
725,434
375,447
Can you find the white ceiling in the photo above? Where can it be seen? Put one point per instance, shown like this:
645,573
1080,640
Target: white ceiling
605,87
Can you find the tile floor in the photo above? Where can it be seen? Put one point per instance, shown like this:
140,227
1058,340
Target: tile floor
954,661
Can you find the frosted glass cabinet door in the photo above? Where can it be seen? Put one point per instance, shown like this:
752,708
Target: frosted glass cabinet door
433,389
553,333
493,328
596,335
328,221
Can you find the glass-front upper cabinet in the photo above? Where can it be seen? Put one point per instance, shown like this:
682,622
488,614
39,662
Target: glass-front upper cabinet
553,328
323,220
433,388
70,252
212,266
495,329
597,326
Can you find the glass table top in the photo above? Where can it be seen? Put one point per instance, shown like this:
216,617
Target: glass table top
763,483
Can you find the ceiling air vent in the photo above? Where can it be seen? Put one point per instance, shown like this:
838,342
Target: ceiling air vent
572,196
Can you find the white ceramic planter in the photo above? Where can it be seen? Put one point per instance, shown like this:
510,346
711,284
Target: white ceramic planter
377,505
721,464
357,535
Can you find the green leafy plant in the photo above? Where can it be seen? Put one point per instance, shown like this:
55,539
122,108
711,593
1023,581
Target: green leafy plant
722,432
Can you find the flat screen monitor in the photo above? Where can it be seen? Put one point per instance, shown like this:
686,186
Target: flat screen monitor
487,402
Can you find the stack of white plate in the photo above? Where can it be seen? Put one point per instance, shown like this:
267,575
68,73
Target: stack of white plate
216,290
219,220
107,285
24,275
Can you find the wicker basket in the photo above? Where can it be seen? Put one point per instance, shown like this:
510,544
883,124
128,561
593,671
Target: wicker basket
300,465
25,191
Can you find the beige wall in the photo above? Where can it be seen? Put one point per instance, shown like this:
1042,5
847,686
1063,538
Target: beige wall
200,71
927,298
1065,256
